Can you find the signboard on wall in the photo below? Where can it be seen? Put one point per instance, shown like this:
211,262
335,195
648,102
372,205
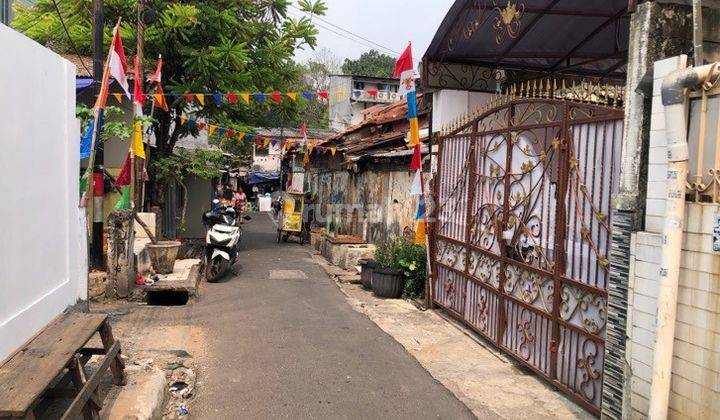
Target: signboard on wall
297,182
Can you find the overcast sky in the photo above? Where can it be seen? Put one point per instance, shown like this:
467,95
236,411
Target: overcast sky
390,23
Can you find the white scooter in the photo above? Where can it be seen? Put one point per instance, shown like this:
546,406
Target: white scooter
222,241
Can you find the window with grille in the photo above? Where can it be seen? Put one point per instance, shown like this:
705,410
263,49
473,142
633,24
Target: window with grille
5,12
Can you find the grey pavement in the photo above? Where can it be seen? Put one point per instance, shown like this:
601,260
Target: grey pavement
282,342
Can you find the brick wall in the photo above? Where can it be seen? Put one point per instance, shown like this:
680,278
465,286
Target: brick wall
695,388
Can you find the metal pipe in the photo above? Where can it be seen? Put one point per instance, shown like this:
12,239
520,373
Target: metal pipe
698,32
674,98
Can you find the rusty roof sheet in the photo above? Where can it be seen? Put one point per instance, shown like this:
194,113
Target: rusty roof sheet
379,114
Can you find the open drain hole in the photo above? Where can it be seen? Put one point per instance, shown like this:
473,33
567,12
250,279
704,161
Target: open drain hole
167,297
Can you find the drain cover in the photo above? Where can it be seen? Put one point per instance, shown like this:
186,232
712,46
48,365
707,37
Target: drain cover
287,275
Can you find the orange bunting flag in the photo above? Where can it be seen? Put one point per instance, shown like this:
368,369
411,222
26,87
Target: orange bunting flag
245,97
201,98
159,99
333,150
240,135
292,96
118,97
212,129
183,119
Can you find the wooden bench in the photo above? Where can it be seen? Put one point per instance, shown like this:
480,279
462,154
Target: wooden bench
57,355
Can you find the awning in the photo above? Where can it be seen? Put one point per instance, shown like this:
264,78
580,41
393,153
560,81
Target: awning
481,42
262,177
82,83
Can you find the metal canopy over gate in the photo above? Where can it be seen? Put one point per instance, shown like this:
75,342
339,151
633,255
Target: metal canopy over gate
521,237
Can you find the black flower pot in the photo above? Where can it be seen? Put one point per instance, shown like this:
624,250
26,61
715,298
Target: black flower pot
387,283
366,272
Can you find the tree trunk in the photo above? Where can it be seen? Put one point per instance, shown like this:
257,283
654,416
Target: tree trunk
184,204
165,140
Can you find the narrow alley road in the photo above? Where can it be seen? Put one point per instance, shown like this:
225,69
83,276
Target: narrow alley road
281,341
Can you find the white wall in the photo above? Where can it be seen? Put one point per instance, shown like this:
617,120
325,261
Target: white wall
450,104
43,257
695,387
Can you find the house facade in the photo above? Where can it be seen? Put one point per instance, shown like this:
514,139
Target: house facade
350,95
553,253
363,188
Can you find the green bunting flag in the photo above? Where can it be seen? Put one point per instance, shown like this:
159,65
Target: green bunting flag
124,202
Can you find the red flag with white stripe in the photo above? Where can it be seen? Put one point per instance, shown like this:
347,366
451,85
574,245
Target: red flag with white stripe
118,64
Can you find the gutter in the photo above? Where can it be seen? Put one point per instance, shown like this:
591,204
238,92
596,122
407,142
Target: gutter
674,99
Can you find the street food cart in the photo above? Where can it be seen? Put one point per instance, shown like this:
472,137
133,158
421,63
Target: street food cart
290,219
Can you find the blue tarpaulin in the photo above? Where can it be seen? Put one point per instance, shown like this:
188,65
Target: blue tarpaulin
262,177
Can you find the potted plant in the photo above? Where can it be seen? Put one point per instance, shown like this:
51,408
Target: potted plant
367,265
387,278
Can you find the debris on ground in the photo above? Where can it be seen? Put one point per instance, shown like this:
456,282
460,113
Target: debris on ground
181,380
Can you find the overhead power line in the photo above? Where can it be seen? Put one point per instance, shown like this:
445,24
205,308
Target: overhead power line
360,37
72,44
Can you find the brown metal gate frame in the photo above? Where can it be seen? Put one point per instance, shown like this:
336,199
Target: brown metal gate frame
530,275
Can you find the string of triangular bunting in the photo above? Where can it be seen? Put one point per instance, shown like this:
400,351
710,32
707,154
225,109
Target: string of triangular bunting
219,131
258,97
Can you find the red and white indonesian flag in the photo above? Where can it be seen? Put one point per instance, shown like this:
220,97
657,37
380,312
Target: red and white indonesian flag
118,63
405,70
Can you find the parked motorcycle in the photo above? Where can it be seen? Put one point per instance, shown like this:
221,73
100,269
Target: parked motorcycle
222,241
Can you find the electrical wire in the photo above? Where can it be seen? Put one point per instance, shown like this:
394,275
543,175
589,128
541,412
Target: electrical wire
373,46
390,50
72,44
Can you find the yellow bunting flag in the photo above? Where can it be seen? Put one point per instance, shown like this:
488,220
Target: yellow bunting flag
159,99
201,98
333,150
266,141
137,141
118,97
240,135
245,97
292,95
414,132
212,129
183,119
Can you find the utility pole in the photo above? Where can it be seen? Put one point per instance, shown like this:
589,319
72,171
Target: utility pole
96,250
140,54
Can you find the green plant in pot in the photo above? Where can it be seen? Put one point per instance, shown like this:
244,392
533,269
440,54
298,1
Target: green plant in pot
388,280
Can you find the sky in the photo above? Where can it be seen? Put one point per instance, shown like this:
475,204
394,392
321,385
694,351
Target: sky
390,23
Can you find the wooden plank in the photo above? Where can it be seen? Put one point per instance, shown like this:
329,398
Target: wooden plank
27,374
92,384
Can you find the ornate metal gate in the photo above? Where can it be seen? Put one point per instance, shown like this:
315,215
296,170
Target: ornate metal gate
521,237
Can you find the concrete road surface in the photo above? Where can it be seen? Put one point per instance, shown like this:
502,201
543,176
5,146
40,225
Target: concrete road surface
281,342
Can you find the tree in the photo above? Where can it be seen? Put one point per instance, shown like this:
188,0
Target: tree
207,46
205,164
371,63
316,74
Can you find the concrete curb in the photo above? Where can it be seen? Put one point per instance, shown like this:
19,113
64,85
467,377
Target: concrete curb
142,398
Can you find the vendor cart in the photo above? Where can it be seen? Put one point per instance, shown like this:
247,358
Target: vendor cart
290,219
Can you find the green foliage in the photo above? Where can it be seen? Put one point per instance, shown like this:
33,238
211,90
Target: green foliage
316,74
313,7
114,125
371,63
410,259
207,46
205,164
